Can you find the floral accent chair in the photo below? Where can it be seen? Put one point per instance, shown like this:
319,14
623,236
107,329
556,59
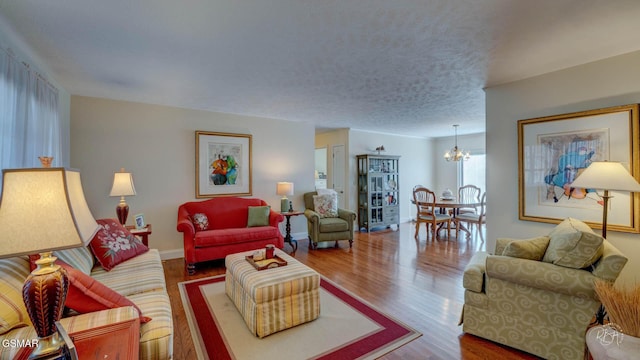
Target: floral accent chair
325,221
537,295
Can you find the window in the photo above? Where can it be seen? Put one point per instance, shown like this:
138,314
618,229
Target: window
29,120
473,171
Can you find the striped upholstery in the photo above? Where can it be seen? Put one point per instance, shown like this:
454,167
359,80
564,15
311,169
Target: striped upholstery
147,266
156,336
80,258
13,314
275,299
71,324
140,279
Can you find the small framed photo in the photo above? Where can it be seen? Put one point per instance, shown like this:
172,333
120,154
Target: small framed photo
140,224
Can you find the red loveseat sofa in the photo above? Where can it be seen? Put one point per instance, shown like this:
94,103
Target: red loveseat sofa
227,232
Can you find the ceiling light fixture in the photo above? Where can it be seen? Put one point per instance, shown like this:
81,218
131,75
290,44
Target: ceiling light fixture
456,154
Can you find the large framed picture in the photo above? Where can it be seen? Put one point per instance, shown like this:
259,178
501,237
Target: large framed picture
223,164
554,150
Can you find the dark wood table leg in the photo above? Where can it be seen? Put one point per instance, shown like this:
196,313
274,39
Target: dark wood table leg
288,239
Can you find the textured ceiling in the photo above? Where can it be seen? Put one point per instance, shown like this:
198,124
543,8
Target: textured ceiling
409,67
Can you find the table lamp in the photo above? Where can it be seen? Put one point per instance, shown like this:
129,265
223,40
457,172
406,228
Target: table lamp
606,175
42,210
284,189
122,186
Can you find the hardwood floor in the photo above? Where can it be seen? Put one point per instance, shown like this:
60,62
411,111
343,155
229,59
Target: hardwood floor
417,282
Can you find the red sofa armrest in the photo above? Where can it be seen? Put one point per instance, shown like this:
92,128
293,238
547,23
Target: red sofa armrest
184,223
275,218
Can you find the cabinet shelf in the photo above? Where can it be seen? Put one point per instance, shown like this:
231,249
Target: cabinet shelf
378,191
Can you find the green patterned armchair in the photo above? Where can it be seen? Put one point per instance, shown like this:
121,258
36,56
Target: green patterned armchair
322,228
537,295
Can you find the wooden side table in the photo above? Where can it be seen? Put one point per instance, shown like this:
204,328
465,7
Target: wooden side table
288,239
142,233
120,340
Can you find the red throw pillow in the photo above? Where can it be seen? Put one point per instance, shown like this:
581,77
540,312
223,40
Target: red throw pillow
87,294
113,244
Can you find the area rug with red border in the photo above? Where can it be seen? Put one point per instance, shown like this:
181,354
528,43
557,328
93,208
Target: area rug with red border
347,328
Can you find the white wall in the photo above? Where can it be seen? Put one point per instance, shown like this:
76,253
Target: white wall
157,144
605,83
416,164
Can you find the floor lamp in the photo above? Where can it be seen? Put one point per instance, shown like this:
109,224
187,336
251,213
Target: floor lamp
42,210
606,176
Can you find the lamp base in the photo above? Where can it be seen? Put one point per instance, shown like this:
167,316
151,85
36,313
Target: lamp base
122,210
284,205
54,348
44,293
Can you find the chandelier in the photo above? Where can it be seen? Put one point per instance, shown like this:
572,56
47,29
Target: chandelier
456,154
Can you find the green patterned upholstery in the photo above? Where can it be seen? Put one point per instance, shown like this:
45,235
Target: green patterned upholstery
327,229
573,244
535,306
531,249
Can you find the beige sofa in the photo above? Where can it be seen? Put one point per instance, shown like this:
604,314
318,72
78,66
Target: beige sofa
140,279
537,295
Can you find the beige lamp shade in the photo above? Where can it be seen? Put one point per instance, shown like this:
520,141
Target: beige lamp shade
122,184
284,188
606,175
43,209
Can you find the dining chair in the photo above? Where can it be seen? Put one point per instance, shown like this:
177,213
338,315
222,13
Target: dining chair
468,194
473,218
427,212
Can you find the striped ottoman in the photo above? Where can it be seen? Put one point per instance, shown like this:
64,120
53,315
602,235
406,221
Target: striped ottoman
272,300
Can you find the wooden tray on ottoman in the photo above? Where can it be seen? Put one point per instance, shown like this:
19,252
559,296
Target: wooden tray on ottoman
266,263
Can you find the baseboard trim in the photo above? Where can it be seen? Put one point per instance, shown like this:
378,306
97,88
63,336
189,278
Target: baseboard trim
171,254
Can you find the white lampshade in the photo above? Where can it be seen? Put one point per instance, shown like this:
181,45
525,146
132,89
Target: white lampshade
284,188
606,175
122,184
43,209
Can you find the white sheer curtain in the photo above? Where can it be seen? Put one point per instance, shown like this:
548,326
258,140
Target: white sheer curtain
29,120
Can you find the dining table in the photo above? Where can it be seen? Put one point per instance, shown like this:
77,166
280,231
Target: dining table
452,203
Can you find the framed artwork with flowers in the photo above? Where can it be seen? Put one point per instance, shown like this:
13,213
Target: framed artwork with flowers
223,164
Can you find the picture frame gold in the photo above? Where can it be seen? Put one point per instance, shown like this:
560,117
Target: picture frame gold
553,150
223,164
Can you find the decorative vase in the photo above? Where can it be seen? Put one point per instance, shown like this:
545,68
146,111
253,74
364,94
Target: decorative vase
607,342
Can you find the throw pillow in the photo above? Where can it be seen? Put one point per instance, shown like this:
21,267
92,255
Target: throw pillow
200,221
326,192
326,205
113,244
573,244
13,313
87,294
258,216
531,249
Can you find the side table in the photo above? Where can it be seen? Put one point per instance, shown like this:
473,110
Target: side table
142,233
119,340
288,239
